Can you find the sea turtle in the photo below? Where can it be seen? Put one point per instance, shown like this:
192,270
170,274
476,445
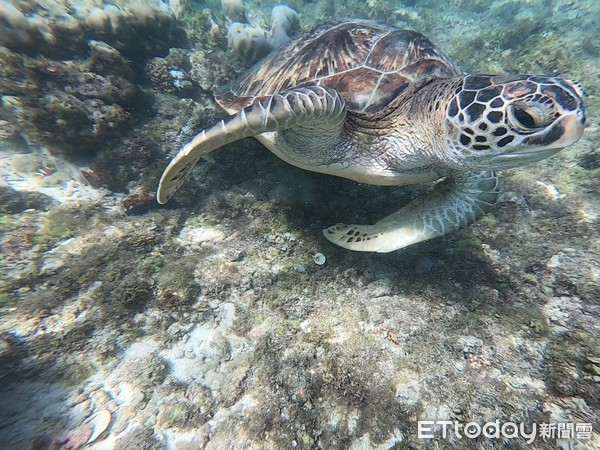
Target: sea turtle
385,106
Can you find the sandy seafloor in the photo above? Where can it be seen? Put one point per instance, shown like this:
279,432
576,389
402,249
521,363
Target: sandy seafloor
214,322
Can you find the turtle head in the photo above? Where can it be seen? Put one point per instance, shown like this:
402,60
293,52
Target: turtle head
504,122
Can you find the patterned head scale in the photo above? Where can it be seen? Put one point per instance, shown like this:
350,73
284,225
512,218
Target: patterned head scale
510,121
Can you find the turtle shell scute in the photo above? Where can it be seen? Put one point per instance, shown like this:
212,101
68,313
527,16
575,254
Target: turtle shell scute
368,63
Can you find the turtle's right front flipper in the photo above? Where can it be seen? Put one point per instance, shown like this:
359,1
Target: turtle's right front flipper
296,107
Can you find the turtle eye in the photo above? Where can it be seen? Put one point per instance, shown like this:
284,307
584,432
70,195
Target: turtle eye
523,117
529,117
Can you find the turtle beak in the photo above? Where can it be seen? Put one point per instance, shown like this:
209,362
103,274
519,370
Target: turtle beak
521,157
564,132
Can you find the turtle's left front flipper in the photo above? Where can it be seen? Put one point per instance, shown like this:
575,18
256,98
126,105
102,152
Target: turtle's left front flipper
293,108
453,204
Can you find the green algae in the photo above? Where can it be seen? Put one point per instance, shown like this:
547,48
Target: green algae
10,222
78,373
130,293
65,223
175,282
489,221
568,365
8,299
177,414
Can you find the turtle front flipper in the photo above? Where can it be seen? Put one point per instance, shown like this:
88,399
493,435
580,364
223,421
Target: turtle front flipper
453,204
296,107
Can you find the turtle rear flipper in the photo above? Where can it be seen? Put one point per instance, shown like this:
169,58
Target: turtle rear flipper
282,111
453,204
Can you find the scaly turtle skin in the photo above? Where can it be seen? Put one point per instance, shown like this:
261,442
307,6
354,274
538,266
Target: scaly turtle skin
384,106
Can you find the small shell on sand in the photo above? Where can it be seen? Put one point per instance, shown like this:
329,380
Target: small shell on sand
319,259
100,422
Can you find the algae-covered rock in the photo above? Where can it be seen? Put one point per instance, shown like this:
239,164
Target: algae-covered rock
171,74
247,42
572,363
87,107
136,28
13,202
73,69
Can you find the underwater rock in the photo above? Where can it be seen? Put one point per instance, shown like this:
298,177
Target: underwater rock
137,204
115,166
12,353
87,433
16,77
14,202
247,42
251,43
170,74
138,29
86,107
234,10
20,31
139,438
37,179
285,22
78,105
589,160
73,439
106,60
84,123
210,69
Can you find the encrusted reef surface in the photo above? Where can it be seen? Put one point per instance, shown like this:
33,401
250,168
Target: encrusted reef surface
225,320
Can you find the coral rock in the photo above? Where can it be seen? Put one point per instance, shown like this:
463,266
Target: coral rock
234,10
247,42
285,22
